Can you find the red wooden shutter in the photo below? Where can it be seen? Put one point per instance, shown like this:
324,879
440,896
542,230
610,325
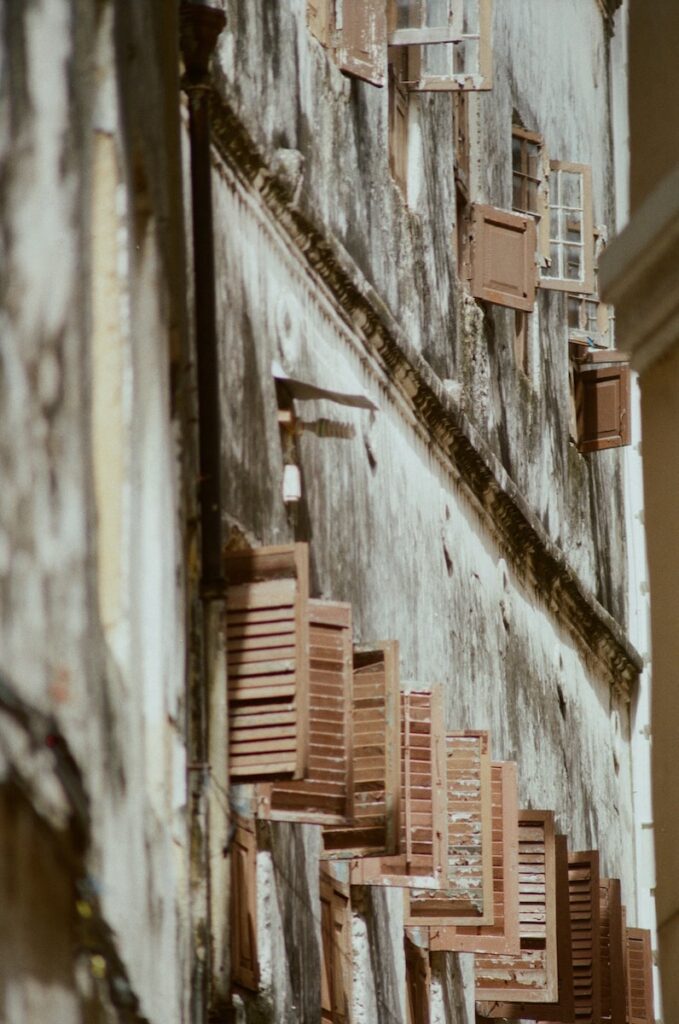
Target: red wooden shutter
602,404
502,936
325,795
362,33
243,909
530,976
468,895
563,1006
374,828
422,840
418,982
503,257
335,950
639,976
268,662
583,876
612,953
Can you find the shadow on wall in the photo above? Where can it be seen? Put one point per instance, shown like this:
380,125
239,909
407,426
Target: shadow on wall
298,903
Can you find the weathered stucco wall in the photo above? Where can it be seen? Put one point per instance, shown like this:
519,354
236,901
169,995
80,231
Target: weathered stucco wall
383,511
551,64
92,632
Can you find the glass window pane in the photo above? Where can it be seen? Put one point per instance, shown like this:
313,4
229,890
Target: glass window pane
573,260
554,270
533,162
574,312
554,224
532,197
471,24
571,189
573,225
516,154
517,192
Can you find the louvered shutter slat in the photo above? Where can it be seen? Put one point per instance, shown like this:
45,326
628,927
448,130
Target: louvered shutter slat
612,953
503,935
467,897
376,758
421,839
325,795
639,976
530,976
268,662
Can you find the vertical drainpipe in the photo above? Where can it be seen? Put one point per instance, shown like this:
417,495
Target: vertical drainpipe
200,28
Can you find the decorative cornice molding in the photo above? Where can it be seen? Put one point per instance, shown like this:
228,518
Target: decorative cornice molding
519,532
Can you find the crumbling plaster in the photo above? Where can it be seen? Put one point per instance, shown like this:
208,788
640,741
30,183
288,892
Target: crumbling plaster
287,91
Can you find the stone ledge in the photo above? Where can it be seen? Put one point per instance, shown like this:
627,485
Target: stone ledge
524,541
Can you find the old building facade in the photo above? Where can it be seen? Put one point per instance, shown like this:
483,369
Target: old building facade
303,274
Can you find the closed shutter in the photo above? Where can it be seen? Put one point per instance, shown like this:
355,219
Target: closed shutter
268,662
325,795
468,895
243,909
422,840
562,1008
335,950
612,952
374,828
503,257
530,976
418,982
502,936
639,976
362,39
602,404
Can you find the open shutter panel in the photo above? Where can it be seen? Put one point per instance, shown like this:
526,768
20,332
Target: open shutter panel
530,976
639,976
583,879
422,840
502,936
503,257
362,39
602,403
562,1008
612,952
325,795
454,55
244,971
335,949
418,981
268,662
468,895
376,761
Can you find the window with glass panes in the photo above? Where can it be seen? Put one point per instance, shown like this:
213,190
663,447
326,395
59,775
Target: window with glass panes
571,248
526,153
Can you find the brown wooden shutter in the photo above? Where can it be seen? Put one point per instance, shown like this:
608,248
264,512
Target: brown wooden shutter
362,39
325,795
612,953
639,976
422,840
602,407
583,876
468,895
243,909
502,936
335,949
268,662
562,1007
374,828
503,257
530,976
418,981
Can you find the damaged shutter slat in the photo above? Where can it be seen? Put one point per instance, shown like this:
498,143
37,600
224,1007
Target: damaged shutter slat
422,839
502,936
468,894
362,39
